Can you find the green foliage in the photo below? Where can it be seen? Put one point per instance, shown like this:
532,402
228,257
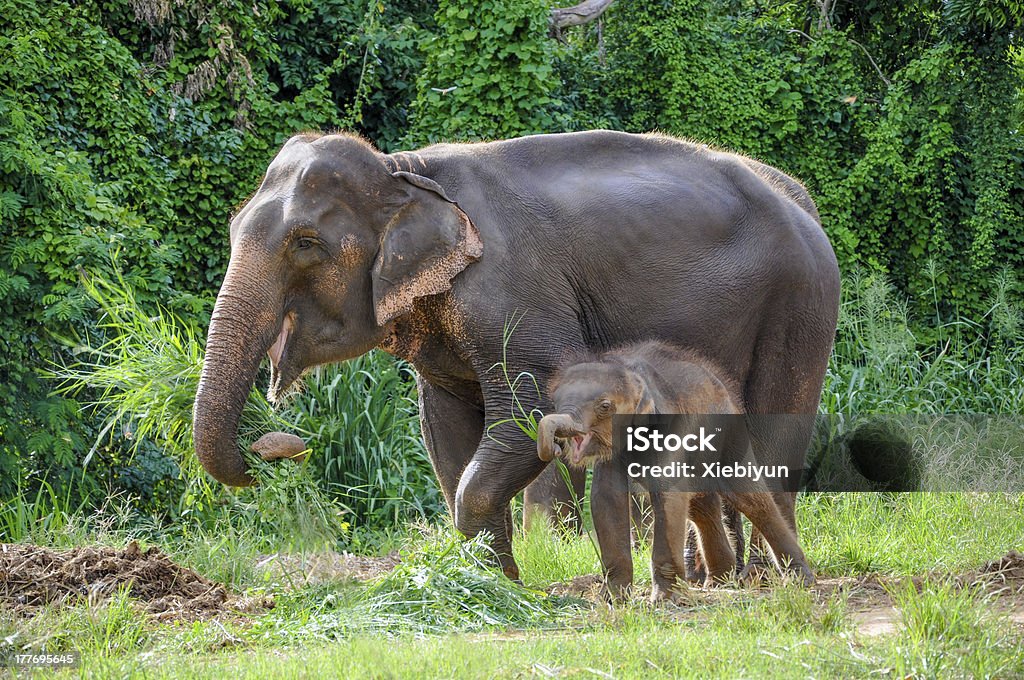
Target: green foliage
900,133
488,74
451,584
136,128
366,55
75,179
444,585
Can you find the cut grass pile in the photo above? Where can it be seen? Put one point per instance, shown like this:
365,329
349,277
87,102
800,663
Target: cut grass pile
445,585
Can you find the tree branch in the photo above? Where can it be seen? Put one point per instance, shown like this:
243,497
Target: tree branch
577,15
868,55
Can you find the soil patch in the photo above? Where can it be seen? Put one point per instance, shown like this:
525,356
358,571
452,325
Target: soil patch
1007,572
301,570
587,587
32,577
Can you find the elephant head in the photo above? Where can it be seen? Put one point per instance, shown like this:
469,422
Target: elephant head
586,396
328,253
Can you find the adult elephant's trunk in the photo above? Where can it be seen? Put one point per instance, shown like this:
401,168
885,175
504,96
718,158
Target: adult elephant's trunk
241,330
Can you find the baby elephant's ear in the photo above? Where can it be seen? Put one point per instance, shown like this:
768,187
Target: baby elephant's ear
427,243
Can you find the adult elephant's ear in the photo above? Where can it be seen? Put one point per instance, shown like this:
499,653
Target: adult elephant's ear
425,245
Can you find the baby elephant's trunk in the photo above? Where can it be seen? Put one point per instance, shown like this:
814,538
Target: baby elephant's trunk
556,425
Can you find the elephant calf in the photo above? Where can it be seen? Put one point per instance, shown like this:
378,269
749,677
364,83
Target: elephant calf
648,378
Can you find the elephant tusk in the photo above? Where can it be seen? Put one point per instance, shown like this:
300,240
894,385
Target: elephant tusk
276,350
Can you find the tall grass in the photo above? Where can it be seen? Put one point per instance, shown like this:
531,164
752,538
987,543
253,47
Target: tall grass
884,361
40,514
361,419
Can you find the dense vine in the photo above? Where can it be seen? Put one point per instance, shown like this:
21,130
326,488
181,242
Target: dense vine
136,128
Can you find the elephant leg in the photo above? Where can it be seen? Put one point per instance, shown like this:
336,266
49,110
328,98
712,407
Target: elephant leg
550,498
496,473
671,509
452,430
764,514
695,571
734,525
717,552
792,357
733,521
609,506
760,558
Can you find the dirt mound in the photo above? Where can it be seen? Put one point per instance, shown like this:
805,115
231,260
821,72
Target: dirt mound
31,577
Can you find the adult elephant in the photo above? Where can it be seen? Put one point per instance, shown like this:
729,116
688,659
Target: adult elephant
594,238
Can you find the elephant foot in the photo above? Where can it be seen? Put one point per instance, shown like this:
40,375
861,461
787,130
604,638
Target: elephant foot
711,581
667,587
696,575
616,593
660,593
802,573
511,572
679,594
756,575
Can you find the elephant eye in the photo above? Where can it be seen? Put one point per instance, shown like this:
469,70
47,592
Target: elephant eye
605,407
304,243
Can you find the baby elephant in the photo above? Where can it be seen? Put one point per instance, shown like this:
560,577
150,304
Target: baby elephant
654,378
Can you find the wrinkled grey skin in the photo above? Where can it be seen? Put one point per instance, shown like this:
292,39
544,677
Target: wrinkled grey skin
599,238
646,378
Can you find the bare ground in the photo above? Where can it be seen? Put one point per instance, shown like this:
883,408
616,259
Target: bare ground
300,570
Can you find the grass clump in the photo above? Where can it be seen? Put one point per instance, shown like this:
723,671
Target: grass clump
949,629
362,423
451,584
112,628
446,585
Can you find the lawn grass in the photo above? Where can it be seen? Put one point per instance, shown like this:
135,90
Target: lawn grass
443,614
942,632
